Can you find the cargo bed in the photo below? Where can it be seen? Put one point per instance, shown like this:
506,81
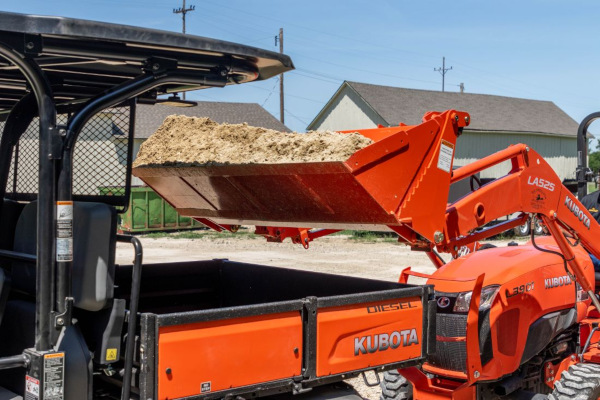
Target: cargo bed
220,328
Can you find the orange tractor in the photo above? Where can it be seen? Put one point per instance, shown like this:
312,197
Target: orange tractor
511,322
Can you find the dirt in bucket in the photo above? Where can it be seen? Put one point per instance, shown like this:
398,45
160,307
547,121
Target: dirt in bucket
191,141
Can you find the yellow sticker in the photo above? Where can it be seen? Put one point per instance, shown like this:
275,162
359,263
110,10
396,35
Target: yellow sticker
111,354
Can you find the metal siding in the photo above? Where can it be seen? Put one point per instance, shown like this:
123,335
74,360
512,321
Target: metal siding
560,152
347,111
135,181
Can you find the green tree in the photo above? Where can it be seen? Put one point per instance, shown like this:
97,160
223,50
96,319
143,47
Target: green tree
594,157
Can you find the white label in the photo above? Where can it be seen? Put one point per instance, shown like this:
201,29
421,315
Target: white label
64,249
54,376
205,387
445,157
64,231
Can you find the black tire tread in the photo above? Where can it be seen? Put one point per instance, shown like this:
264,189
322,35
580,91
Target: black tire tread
579,382
395,387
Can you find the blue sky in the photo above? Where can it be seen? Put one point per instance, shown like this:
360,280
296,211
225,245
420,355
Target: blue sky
545,50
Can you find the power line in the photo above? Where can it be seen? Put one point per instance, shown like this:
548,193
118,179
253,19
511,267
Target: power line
337,82
443,71
290,95
271,93
367,71
325,32
297,118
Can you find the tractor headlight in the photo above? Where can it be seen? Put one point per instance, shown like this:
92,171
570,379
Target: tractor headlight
488,294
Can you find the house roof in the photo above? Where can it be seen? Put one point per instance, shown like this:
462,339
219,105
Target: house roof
488,113
150,117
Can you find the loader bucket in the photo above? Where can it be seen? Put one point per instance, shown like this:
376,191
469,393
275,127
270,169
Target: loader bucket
374,189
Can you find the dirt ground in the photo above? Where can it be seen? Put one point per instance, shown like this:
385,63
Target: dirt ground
340,254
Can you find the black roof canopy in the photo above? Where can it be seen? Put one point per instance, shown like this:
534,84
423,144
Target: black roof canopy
84,58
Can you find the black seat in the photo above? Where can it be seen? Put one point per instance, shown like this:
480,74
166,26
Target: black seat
94,232
11,210
4,290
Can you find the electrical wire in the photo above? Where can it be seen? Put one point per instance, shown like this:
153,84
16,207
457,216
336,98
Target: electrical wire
271,93
295,116
438,256
476,179
573,277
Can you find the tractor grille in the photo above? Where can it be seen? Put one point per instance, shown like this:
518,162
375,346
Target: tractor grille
450,355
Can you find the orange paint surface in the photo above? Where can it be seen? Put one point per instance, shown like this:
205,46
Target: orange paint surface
365,335
228,353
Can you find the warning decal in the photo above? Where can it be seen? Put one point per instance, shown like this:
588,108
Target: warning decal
54,376
445,157
32,388
64,231
111,354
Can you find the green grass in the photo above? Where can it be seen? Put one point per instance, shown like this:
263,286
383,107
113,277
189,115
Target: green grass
201,234
369,236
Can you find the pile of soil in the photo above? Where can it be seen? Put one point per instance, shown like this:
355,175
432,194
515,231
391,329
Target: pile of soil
190,141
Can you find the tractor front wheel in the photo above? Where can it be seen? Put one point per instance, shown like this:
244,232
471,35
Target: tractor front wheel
579,382
395,387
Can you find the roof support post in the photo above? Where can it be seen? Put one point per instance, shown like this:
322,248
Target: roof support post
583,172
116,95
45,266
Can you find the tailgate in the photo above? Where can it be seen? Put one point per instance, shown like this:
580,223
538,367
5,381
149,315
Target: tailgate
359,336
285,346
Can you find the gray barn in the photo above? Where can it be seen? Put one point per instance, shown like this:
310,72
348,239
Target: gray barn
496,121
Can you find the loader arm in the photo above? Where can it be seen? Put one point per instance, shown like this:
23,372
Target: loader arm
530,187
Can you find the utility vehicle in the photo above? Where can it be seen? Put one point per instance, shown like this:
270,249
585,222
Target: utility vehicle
76,326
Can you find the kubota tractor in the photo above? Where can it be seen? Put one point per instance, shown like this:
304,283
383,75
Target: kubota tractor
518,321
512,322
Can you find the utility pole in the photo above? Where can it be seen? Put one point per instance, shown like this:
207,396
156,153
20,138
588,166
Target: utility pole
183,11
462,87
443,71
281,110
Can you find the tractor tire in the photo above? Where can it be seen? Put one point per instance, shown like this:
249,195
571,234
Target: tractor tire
579,382
395,387
538,228
523,230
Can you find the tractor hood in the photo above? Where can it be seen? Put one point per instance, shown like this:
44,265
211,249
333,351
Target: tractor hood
500,265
